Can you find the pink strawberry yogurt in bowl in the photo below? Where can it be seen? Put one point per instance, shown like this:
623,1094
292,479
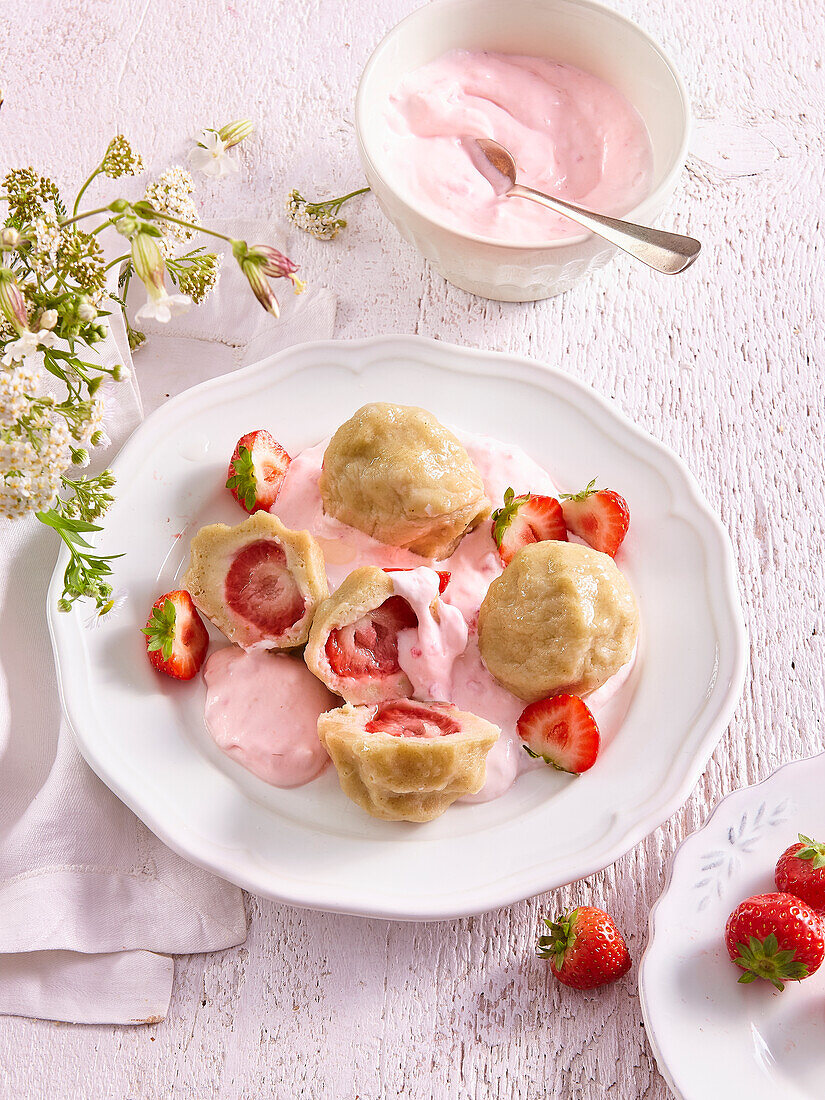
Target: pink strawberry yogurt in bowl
568,82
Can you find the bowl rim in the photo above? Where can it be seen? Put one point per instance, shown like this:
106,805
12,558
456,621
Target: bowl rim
660,194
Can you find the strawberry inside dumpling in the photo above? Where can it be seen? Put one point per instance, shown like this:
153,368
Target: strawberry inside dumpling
353,643
258,582
408,718
260,588
369,646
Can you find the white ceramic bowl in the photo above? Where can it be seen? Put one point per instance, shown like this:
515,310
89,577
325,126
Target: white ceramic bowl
578,32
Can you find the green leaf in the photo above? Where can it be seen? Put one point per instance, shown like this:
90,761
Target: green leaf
160,630
244,479
586,492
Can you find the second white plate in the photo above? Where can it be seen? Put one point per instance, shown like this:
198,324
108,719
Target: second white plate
144,734
713,1037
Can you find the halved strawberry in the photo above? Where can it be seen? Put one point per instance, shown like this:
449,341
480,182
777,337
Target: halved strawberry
369,646
562,732
525,519
407,718
257,470
599,516
260,588
176,639
443,577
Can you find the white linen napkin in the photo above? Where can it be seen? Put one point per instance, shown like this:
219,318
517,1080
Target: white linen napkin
92,904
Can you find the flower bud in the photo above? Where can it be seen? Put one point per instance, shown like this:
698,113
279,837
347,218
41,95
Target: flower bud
9,239
48,319
260,286
12,302
126,225
235,132
86,311
148,261
118,206
80,456
273,263
98,438
121,373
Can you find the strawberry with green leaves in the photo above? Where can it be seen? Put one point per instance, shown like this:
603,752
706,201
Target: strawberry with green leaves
176,639
585,949
257,470
525,519
599,516
562,732
776,937
801,872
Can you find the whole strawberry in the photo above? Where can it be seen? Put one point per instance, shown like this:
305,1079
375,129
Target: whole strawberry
585,949
776,937
801,872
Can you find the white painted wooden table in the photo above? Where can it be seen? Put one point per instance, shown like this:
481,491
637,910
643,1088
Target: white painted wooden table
723,364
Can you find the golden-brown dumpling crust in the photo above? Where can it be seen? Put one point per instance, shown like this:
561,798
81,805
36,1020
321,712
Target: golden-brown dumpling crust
561,617
396,473
212,553
406,778
364,590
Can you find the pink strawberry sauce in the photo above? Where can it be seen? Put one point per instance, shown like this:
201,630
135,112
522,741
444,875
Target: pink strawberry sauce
262,710
441,657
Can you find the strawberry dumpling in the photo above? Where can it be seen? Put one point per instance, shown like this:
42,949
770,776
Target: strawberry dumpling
258,582
405,760
396,473
353,643
560,618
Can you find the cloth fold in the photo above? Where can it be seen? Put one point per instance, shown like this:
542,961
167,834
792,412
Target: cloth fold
91,902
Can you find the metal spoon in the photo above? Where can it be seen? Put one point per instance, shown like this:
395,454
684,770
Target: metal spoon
666,252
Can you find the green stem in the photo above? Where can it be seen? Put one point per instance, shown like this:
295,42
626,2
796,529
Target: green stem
195,228
85,214
351,195
117,260
83,188
104,225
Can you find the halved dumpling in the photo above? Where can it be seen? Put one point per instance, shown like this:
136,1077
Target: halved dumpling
398,474
353,643
259,582
407,761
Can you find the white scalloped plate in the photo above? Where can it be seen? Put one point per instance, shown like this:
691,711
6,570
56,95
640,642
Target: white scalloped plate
711,1036
144,734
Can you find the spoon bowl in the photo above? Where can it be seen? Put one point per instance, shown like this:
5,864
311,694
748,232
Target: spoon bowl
669,253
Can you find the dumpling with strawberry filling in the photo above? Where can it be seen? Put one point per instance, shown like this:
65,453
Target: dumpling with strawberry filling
560,618
396,473
404,760
258,582
353,643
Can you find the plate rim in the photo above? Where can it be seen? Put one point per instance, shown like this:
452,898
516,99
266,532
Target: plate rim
713,538
738,792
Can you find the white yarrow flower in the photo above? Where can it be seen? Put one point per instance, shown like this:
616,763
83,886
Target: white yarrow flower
210,155
26,345
162,306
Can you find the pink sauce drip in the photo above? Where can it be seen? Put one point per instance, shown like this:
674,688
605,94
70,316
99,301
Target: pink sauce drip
262,710
571,134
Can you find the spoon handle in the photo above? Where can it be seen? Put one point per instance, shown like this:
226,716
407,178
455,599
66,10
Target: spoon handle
666,252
